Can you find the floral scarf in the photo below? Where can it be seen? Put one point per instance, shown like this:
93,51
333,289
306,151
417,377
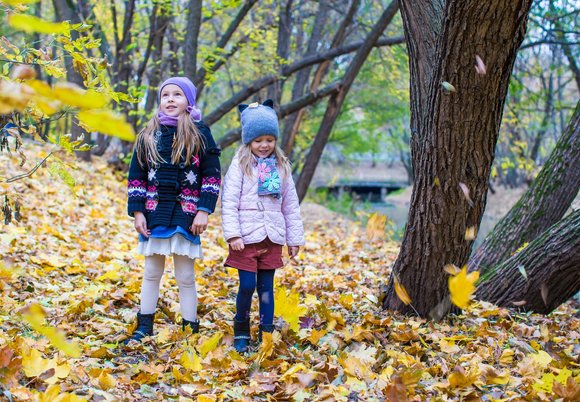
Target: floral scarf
268,177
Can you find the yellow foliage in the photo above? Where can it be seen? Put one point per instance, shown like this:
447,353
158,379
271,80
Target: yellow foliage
376,226
402,292
210,344
107,122
30,23
287,305
462,286
74,96
36,320
19,2
191,361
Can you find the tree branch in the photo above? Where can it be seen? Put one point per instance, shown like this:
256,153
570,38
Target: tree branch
263,82
308,99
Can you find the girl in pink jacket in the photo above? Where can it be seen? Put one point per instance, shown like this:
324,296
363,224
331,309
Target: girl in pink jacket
260,214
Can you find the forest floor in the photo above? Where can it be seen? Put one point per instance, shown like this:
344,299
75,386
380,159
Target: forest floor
69,291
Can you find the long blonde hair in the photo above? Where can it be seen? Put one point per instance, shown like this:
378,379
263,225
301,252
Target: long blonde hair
188,141
247,160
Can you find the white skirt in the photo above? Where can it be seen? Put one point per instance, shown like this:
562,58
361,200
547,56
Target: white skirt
176,244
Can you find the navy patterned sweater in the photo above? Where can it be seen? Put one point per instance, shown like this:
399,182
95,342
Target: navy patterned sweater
171,195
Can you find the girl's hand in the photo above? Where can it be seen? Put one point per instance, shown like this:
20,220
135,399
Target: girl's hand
236,243
293,251
199,224
140,224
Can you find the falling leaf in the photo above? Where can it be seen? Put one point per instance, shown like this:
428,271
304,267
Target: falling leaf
470,233
401,292
462,286
448,87
522,270
376,226
523,246
437,182
31,24
479,65
465,191
544,292
451,269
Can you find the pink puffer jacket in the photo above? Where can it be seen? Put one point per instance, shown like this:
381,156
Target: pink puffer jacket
253,217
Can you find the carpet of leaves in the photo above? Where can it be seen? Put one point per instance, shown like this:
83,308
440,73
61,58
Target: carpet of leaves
69,291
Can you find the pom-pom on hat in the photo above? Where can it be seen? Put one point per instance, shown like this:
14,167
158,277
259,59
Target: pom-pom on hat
258,120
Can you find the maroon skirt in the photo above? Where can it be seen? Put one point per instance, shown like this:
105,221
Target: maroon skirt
262,255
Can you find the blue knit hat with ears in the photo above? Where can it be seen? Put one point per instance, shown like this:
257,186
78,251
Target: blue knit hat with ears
258,120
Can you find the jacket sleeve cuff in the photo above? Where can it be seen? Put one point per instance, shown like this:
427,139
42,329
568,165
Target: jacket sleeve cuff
205,210
135,206
207,202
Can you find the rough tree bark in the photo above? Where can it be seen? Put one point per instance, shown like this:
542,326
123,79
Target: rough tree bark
155,72
191,38
454,134
543,275
283,46
543,204
336,100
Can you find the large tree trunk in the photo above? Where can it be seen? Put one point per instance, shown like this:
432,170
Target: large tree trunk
336,100
190,43
543,275
543,204
283,47
454,134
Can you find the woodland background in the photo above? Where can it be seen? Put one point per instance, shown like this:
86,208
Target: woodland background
464,98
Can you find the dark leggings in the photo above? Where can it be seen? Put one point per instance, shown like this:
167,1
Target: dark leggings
263,282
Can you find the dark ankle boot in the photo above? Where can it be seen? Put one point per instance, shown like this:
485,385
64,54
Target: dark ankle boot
144,327
194,325
241,335
265,328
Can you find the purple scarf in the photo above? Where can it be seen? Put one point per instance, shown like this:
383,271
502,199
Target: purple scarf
172,120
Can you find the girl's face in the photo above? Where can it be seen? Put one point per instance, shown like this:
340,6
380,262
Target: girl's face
263,146
173,101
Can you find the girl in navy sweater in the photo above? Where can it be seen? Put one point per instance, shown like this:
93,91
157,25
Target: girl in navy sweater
174,182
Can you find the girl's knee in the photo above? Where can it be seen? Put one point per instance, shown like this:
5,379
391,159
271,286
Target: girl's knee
185,277
247,288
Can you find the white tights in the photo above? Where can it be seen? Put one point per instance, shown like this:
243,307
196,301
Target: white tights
184,276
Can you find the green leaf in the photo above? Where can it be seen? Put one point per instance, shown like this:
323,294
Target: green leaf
57,169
